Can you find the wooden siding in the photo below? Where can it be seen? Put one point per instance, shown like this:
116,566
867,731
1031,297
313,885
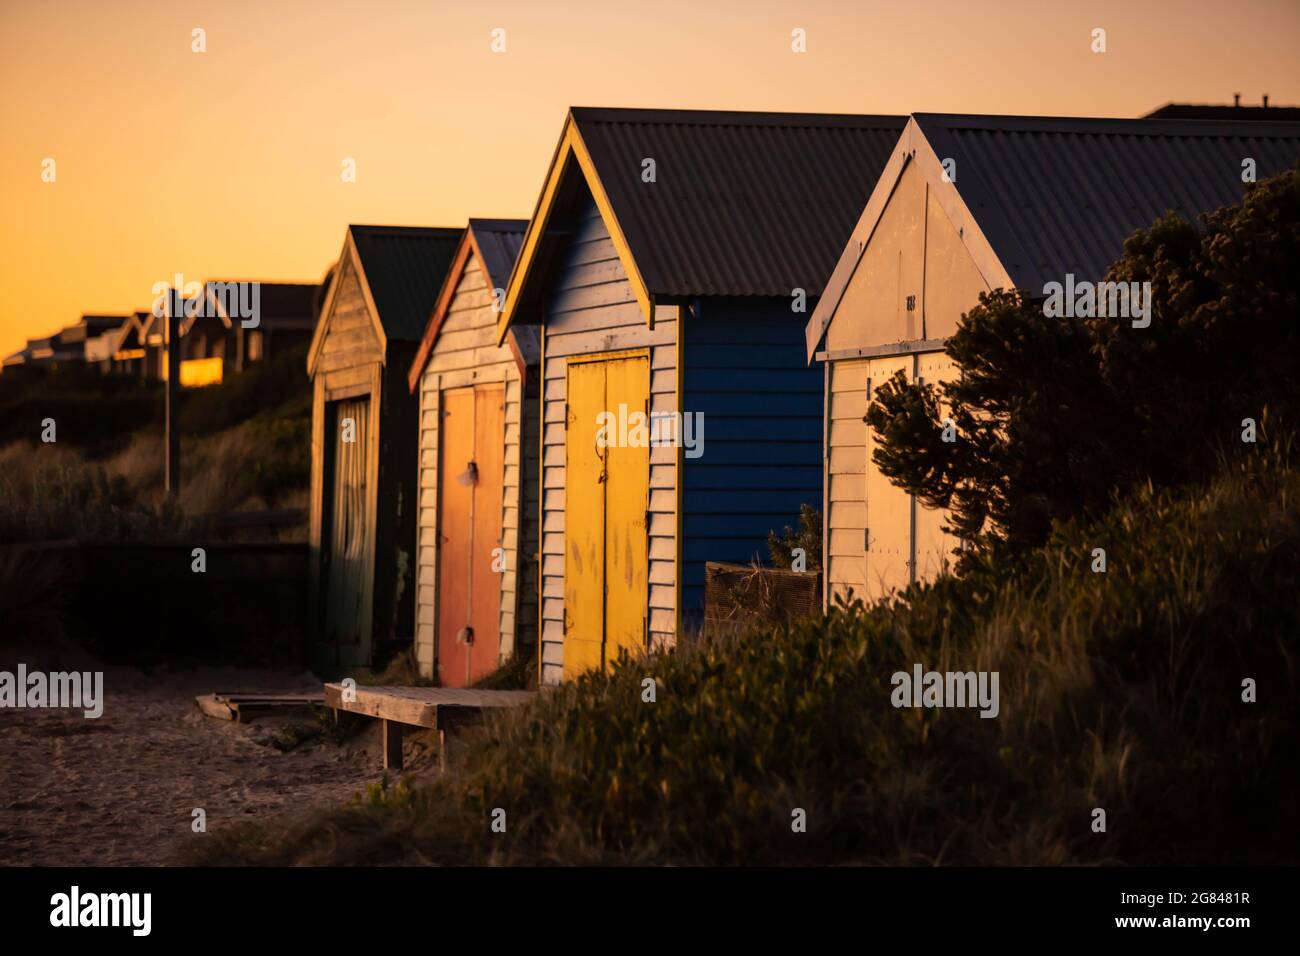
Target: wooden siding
915,251
466,354
747,374
877,537
846,496
591,308
350,366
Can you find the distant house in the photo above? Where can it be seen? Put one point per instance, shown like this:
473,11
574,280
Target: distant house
285,318
207,341
969,204
128,354
99,337
364,436
1259,114
63,346
669,265
476,585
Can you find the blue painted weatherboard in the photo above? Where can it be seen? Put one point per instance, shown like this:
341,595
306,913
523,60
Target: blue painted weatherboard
747,372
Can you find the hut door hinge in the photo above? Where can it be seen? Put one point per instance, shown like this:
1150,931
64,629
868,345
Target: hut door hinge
565,622
866,539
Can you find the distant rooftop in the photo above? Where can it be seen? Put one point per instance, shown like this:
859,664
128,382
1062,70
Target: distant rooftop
1262,112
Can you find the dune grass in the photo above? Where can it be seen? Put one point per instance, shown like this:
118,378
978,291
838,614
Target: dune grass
1119,690
246,445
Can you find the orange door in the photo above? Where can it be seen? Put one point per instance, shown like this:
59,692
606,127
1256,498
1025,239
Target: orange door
488,558
471,470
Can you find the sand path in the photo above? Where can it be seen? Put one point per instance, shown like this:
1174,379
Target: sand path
121,790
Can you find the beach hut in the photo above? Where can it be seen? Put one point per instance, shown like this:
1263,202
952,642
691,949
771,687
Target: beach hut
669,265
100,339
968,204
126,348
364,421
476,591
207,340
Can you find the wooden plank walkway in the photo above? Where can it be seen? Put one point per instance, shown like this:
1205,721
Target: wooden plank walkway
435,708
239,706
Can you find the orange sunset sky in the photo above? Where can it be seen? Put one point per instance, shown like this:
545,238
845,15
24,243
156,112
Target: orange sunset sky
226,164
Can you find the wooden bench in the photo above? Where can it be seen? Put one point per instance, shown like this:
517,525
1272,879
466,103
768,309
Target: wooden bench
435,708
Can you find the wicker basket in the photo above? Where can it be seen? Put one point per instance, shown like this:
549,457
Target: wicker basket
737,595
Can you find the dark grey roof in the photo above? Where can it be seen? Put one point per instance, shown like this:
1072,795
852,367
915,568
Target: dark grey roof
742,203
1267,114
96,323
405,266
499,241
1057,195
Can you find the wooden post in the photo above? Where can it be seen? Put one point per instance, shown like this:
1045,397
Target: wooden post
392,740
172,344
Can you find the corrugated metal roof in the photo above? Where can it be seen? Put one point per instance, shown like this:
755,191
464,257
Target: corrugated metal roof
498,242
404,267
1056,195
1268,114
1051,196
742,203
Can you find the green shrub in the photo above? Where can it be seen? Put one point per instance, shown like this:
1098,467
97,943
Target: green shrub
1120,690
67,498
807,536
1053,414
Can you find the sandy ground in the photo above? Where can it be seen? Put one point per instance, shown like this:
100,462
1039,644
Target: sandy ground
121,789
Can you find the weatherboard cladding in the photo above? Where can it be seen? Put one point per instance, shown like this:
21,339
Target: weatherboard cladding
761,403
742,203
590,309
1056,196
464,354
404,268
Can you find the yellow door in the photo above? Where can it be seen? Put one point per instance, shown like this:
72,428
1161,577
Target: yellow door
607,488
584,521
627,499
889,508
